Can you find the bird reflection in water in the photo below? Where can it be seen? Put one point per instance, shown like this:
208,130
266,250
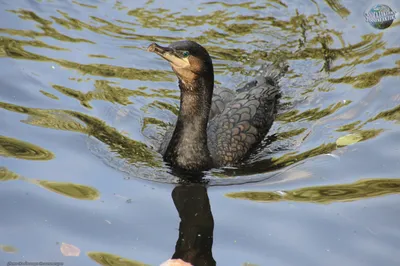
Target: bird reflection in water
194,244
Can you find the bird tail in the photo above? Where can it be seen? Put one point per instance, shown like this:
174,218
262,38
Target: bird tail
273,72
269,73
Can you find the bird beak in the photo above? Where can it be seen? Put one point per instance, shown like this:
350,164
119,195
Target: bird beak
158,49
168,54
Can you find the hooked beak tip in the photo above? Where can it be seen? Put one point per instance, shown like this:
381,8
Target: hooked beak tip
152,47
158,49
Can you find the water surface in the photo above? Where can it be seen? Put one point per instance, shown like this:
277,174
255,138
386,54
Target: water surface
83,107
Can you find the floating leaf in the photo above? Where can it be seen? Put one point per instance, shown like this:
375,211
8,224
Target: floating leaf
348,139
8,249
69,250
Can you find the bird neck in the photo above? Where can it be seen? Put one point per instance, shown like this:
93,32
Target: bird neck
188,146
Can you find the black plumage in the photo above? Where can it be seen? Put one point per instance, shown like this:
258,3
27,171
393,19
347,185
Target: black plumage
216,127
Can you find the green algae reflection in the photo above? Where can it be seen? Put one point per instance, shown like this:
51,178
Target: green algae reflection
131,150
100,56
390,115
291,158
229,26
106,91
368,79
107,259
10,147
363,189
15,49
153,121
290,133
49,95
84,5
67,189
71,190
337,7
311,114
349,127
7,175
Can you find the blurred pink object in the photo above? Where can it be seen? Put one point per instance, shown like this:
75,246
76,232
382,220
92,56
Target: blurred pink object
177,262
69,250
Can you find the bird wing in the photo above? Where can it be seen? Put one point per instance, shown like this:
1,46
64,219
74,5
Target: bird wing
244,122
221,96
238,122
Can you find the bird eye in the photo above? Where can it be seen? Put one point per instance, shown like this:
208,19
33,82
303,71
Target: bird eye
185,54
